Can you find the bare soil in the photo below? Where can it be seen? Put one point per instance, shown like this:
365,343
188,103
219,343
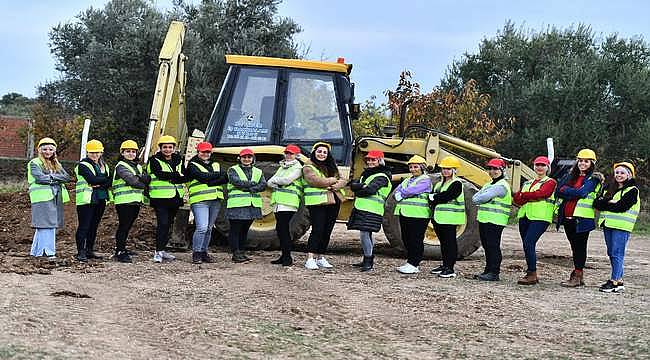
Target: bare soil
256,310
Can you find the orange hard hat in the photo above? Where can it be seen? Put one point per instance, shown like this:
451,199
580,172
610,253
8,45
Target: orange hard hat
246,151
375,154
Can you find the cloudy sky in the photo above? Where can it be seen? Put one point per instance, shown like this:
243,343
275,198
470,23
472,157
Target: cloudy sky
381,38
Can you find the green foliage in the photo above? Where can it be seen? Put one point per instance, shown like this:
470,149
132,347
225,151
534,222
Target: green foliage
372,118
14,104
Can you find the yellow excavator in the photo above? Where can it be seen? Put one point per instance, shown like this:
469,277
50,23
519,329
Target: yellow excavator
267,103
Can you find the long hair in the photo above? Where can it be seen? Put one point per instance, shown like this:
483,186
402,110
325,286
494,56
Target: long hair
575,171
52,164
328,166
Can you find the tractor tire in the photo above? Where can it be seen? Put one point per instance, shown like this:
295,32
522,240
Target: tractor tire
467,236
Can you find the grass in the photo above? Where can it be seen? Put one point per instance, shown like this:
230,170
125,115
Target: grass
12,186
642,225
20,352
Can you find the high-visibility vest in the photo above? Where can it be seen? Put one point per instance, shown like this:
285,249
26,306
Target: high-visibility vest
83,190
290,194
123,193
241,198
40,192
623,220
200,191
374,203
585,207
452,212
497,210
537,210
415,206
163,189
316,195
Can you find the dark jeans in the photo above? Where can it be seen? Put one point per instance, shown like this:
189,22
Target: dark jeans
89,216
448,246
164,218
282,220
491,241
578,243
126,215
238,233
323,219
531,231
412,230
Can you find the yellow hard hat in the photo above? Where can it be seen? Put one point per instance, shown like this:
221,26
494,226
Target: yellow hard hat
449,162
94,146
417,159
586,154
167,139
129,144
321,143
627,165
46,141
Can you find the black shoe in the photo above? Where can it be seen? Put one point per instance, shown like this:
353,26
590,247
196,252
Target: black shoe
438,270
447,273
610,287
278,261
196,257
239,257
368,262
131,253
360,264
488,277
81,256
92,255
122,256
206,258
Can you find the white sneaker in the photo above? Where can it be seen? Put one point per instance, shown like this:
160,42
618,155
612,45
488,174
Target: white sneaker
322,262
408,269
311,264
167,256
157,257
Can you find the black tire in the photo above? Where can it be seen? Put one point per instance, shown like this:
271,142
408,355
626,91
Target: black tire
467,238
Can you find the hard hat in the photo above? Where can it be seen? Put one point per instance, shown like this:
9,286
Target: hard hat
129,144
321,143
94,146
167,139
46,141
294,149
542,160
246,151
375,154
449,162
586,154
627,165
497,163
203,146
417,159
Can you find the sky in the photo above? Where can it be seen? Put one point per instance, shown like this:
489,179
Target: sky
380,38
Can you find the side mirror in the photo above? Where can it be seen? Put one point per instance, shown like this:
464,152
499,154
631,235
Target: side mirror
355,110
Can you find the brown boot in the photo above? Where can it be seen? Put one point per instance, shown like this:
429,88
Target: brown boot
529,279
575,279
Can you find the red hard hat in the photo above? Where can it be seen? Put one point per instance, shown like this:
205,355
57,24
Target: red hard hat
375,154
497,163
291,148
204,146
542,160
246,151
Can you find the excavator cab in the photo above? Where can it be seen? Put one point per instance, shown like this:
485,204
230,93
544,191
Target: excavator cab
271,101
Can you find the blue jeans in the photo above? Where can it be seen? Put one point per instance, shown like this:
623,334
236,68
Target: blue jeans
531,231
616,240
205,215
44,242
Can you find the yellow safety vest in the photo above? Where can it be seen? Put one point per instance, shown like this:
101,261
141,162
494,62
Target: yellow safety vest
374,203
123,193
497,210
241,198
585,207
415,206
163,189
316,195
83,190
200,191
40,192
290,194
625,220
452,212
541,210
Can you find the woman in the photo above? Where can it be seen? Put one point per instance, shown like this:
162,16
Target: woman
414,212
448,203
206,196
536,202
370,192
323,196
47,194
285,199
129,182
619,208
576,193
92,193
165,191
494,201
244,204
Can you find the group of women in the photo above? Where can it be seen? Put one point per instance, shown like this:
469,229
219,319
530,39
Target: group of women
319,184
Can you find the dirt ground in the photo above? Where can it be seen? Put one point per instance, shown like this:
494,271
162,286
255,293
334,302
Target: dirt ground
257,310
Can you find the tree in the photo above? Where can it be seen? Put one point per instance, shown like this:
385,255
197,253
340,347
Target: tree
16,104
55,122
372,119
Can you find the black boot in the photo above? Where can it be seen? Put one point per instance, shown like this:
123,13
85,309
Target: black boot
196,257
288,260
81,255
278,261
122,256
206,258
239,257
368,262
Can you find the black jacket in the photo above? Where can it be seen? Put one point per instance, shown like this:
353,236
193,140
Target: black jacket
363,220
174,177
624,204
211,178
103,180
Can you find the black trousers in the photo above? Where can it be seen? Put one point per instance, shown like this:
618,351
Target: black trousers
126,215
164,220
89,216
323,219
578,243
448,246
238,233
491,241
412,230
282,220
